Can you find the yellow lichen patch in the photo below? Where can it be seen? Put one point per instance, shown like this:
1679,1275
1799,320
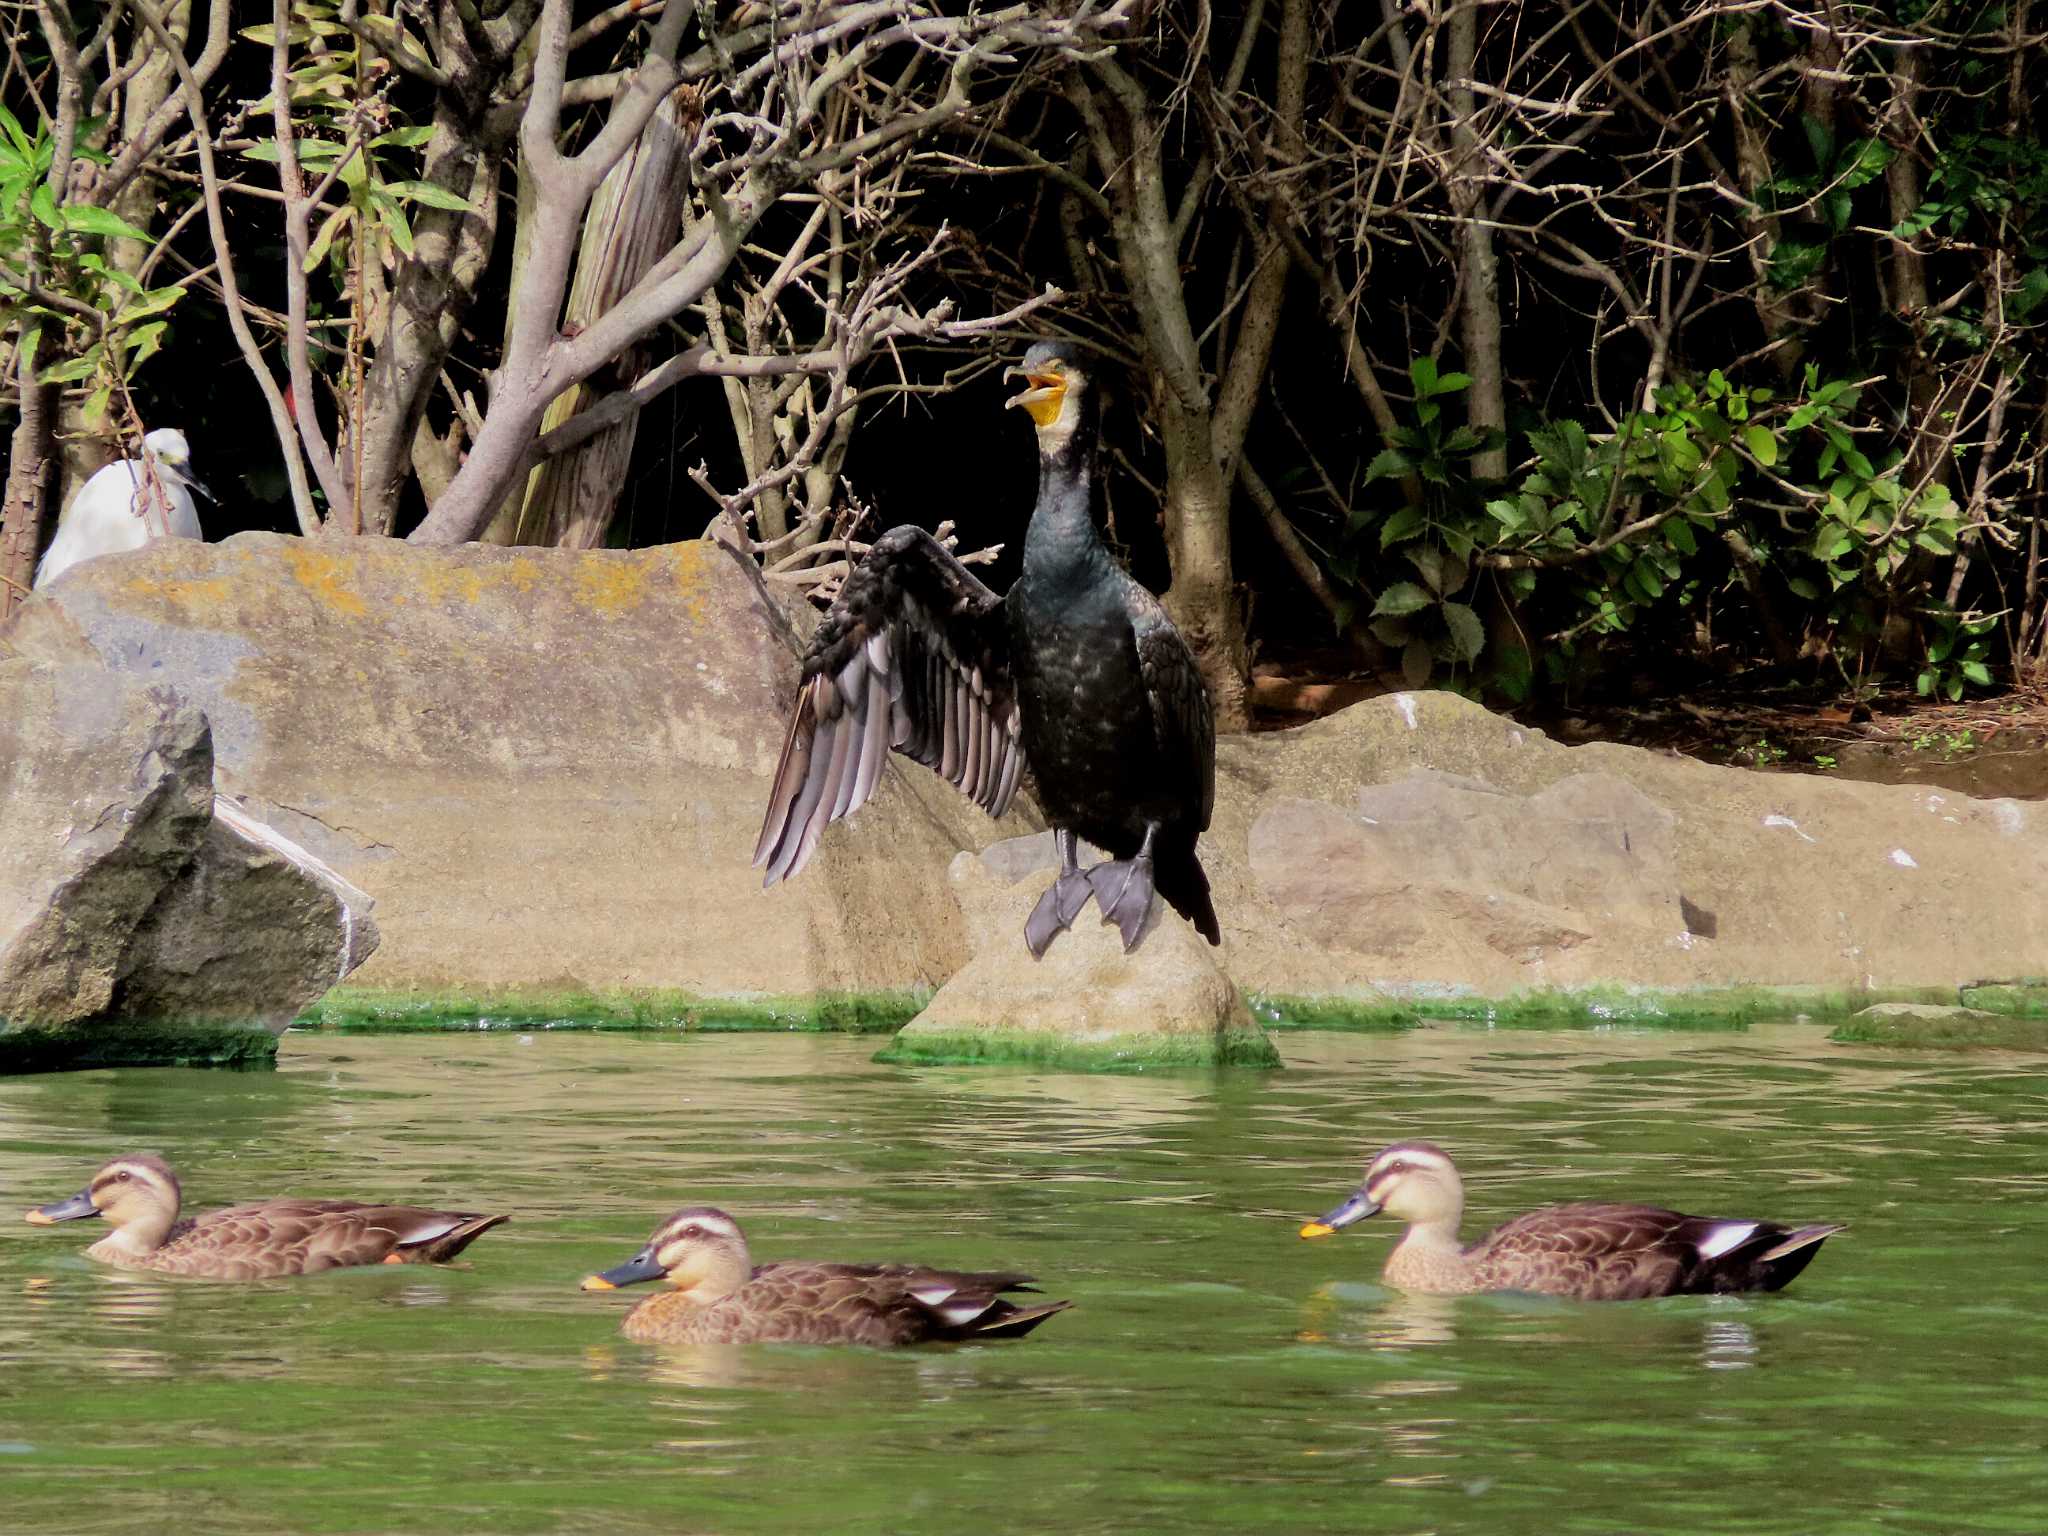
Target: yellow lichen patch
611,583
437,582
325,575
694,563
199,592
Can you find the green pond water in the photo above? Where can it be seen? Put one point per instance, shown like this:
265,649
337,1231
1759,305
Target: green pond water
1217,1374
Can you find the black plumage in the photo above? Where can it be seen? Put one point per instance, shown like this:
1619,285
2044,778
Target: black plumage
1077,671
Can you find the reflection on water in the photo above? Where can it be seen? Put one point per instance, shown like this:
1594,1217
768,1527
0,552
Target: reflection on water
1217,1374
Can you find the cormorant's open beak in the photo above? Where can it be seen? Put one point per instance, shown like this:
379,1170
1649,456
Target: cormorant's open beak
1357,1208
49,1215
642,1266
1042,395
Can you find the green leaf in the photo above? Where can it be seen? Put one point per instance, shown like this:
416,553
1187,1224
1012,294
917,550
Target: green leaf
329,227
393,218
427,193
80,367
153,302
1468,635
1506,513
1403,524
143,342
1763,445
1977,673
83,219
96,405
1423,371
1451,383
1403,597
31,338
44,206
1794,261
1924,683
402,138
1387,462
12,128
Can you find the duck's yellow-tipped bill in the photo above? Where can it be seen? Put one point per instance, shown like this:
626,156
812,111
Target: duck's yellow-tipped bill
36,1218
1317,1229
596,1283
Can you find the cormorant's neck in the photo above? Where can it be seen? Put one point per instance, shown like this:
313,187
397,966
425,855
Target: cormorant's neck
1062,531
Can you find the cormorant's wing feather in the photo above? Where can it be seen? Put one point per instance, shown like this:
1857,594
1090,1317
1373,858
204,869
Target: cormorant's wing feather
1182,716
913,655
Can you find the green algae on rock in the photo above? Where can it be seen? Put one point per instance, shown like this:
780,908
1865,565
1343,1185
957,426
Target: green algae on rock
1929,1026
34,1049
1065,1051
371,1011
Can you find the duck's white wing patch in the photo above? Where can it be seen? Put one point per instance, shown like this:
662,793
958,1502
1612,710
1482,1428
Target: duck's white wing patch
1727,1235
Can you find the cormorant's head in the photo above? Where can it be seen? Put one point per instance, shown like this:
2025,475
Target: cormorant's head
1056,391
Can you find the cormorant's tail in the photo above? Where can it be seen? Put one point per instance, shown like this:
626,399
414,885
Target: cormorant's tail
1185,885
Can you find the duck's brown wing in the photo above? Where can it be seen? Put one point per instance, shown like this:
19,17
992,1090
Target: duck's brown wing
1626,1252
912,656
1594,1252
879,1304
300,1237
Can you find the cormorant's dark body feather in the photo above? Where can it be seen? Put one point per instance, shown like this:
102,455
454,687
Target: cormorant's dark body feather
1077,670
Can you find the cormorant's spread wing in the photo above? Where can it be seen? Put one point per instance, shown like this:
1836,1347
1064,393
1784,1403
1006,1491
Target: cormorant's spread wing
912,655
1182,716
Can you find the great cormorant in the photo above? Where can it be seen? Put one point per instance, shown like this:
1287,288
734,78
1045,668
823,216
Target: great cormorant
1077,671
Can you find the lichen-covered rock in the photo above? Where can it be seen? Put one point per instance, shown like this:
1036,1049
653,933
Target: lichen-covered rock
139,922
548,766
1086,1003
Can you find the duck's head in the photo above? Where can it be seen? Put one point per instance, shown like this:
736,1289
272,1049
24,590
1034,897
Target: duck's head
699,1250
1414,1180
168,447
1056,391
137,1194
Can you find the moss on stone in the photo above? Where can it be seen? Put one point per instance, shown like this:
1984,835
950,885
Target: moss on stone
2020,999
1356,1014
1962,1030
31,1049
1045,1049
364,1010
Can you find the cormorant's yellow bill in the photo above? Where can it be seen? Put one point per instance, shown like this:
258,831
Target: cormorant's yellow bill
1043,395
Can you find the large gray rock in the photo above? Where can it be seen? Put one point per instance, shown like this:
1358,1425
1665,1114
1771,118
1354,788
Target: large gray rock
139,921
548,766
108,790
1417,842
1086,1003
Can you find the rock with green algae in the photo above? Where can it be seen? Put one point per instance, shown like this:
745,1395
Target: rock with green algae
1938,1026
1086,1005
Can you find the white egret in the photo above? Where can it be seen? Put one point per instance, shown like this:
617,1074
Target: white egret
129,503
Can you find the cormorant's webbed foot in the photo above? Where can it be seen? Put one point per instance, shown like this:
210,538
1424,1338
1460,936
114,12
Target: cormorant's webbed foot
1123,889
1056,911
1063,899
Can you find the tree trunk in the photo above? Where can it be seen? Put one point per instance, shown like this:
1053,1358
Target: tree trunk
1202,597
633,220
1479,303
28,489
